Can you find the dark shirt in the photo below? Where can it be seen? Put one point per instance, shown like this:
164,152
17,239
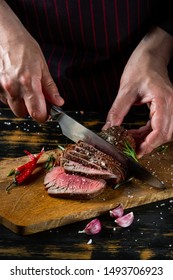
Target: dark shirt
87,42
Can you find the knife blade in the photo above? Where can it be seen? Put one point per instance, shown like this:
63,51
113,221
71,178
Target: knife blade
76,132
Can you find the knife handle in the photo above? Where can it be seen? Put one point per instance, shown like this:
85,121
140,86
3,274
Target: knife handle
55,111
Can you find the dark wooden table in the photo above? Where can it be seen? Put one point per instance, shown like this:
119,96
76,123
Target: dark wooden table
149,237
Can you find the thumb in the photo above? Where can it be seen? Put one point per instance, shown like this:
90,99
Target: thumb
50,90
119,109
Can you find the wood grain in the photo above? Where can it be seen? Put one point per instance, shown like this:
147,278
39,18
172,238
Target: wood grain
28,208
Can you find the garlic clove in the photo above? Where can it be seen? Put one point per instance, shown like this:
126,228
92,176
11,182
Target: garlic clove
117,211
92,227
126,220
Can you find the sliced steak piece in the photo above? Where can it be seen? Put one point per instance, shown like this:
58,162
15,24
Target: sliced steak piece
71,154
103,160
73,186
79,169
52,175
118,135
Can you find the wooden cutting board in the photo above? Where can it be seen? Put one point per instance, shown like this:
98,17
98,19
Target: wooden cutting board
28,209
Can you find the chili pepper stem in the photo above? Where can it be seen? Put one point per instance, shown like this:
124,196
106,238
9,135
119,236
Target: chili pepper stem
10,186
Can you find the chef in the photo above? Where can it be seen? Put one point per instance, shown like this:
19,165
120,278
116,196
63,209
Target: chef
95,55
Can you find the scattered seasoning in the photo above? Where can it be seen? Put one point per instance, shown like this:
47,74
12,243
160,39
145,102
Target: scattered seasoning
162,149
24,171
90,241
93,227
7,123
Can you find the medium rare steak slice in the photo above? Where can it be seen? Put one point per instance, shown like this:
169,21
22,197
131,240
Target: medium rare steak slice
72,186
52,175
77,168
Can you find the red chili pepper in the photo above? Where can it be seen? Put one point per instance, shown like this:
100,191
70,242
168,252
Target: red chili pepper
24,171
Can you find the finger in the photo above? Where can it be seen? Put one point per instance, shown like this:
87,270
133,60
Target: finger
34,99
11,96
50,89
152,141
3,98
161,128
141,132
18,107
120,108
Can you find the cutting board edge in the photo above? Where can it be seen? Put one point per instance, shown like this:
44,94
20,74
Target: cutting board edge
56,223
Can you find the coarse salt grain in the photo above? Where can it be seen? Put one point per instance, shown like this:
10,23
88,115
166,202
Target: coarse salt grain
90,241
7,123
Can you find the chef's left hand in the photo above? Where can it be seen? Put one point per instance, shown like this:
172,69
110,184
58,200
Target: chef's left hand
145,80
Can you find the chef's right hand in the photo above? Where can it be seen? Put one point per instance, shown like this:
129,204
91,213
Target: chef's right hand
25,81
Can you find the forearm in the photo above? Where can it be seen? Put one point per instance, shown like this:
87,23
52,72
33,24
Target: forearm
10,25
158,43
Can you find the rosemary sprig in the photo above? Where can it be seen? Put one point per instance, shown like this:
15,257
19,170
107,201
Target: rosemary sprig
123,182
61,147
50,162
129,151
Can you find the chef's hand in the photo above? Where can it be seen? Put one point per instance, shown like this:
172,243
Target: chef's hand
25,81
145,81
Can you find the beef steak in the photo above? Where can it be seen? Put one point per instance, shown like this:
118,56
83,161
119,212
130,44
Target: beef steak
85,169
118,135
73,167
72,186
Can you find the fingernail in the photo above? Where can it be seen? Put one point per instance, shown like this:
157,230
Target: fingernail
139,156
107,125
60,99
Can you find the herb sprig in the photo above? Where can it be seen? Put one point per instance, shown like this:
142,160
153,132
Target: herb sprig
129,151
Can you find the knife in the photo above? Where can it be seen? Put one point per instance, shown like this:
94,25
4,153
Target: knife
76,132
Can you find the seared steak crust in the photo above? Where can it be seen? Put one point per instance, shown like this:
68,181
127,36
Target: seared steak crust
89,156
117,135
